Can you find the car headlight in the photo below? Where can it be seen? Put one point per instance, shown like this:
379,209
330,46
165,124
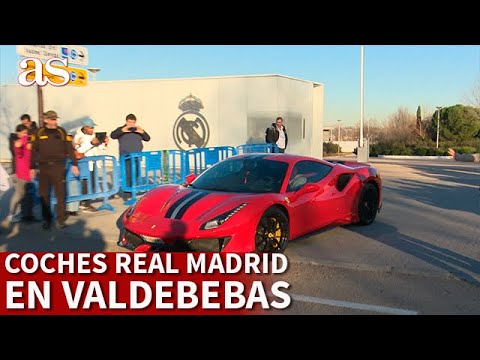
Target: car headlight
219,220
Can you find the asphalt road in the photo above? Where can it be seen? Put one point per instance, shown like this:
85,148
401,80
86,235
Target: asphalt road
422,253
420,256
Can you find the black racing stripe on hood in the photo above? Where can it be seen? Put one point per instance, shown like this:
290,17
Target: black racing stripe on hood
178,202
184,208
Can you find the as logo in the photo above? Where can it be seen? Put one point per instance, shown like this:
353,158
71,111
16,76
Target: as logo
38,73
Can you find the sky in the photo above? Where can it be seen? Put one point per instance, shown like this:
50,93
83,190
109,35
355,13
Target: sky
394,75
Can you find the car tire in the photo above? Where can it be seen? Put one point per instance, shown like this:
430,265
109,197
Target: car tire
368,204
273,232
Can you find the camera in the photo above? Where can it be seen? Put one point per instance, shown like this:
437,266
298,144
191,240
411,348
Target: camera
133,128
101,136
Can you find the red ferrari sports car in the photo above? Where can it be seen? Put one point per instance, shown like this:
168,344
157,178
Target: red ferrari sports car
252,203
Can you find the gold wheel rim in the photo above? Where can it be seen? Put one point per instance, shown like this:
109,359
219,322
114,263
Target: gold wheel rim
277,234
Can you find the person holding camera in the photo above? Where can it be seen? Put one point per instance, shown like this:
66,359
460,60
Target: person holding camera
130,138
86,143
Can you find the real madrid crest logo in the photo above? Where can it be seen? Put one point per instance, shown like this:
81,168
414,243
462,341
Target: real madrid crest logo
191,128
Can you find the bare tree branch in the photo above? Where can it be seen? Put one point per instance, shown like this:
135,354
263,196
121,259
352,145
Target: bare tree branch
400,128
473,98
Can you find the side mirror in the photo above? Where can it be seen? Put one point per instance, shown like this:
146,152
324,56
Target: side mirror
190,178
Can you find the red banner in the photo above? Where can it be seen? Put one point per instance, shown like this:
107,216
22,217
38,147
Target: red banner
141,283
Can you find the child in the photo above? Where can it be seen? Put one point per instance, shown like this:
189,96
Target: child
22,171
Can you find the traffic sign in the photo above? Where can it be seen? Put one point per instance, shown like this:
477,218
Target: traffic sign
75,54
78,77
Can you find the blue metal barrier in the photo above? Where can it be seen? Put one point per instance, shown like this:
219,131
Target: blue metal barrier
150,169
101,175
257,148
153,168
176,165
198,160
104,175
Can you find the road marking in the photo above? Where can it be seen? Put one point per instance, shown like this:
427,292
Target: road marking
352,305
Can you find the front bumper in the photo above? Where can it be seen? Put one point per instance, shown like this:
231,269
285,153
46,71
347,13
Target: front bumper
135,242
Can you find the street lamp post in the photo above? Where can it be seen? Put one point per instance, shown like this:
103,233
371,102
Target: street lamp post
94,72
362,149
361,96
438,122
338,145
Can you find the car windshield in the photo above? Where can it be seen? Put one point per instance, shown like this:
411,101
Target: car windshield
244,175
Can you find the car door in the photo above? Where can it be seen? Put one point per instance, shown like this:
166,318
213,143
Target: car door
333,198
308,210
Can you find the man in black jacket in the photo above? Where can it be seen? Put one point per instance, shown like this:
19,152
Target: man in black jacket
277,134
130,137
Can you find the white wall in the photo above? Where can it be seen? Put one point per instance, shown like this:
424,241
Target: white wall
347,146
317,122
15,100
236,108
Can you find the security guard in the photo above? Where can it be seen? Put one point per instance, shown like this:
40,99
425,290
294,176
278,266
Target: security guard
51,146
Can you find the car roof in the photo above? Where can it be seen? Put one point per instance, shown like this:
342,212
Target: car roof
288,158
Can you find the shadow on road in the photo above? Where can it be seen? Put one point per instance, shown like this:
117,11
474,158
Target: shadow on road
76,237
460,266
29,236
450,186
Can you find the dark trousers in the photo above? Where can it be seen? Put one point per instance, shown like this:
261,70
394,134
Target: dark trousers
85,187
52,174
128,170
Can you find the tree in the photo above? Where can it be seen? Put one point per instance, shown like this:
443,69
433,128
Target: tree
399,128
473,99
419,121
458,123
373,131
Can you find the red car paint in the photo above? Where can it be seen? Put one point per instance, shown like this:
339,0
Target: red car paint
173,212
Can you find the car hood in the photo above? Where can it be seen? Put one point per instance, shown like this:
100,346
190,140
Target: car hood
189,204
192,204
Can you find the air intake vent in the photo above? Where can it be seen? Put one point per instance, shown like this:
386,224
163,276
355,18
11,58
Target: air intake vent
343,180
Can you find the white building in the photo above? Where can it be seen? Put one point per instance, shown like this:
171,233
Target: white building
181,113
